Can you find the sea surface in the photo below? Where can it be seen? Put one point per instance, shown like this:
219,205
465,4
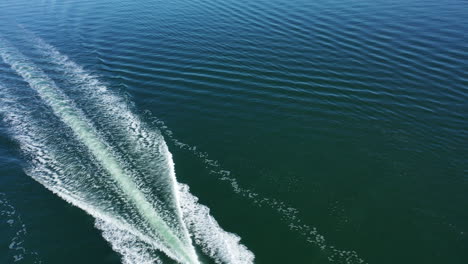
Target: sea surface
233,131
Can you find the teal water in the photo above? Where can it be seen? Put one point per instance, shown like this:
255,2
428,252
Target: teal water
233,131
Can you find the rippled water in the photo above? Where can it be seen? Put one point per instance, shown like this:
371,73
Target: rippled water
233,131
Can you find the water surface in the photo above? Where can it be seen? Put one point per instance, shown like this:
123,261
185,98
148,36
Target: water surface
233,131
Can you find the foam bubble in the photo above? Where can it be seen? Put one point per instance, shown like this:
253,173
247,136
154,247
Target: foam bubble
17,231
222,246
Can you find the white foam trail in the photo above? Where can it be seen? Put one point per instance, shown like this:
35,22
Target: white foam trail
49,171
131,247
139,143
222,246
178,247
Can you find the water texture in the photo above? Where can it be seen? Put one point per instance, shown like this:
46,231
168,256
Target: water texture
233,131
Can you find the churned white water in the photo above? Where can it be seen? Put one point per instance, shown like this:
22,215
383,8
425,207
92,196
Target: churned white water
99,156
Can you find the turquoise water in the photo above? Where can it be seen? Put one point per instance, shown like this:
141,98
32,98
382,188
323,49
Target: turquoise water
233,131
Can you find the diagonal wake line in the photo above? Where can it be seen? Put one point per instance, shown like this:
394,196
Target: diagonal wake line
177,247
142,148
222,246
45,167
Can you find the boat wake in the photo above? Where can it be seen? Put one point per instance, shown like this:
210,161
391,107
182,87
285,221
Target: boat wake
85,144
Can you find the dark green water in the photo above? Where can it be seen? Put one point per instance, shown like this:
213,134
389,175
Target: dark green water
314,131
